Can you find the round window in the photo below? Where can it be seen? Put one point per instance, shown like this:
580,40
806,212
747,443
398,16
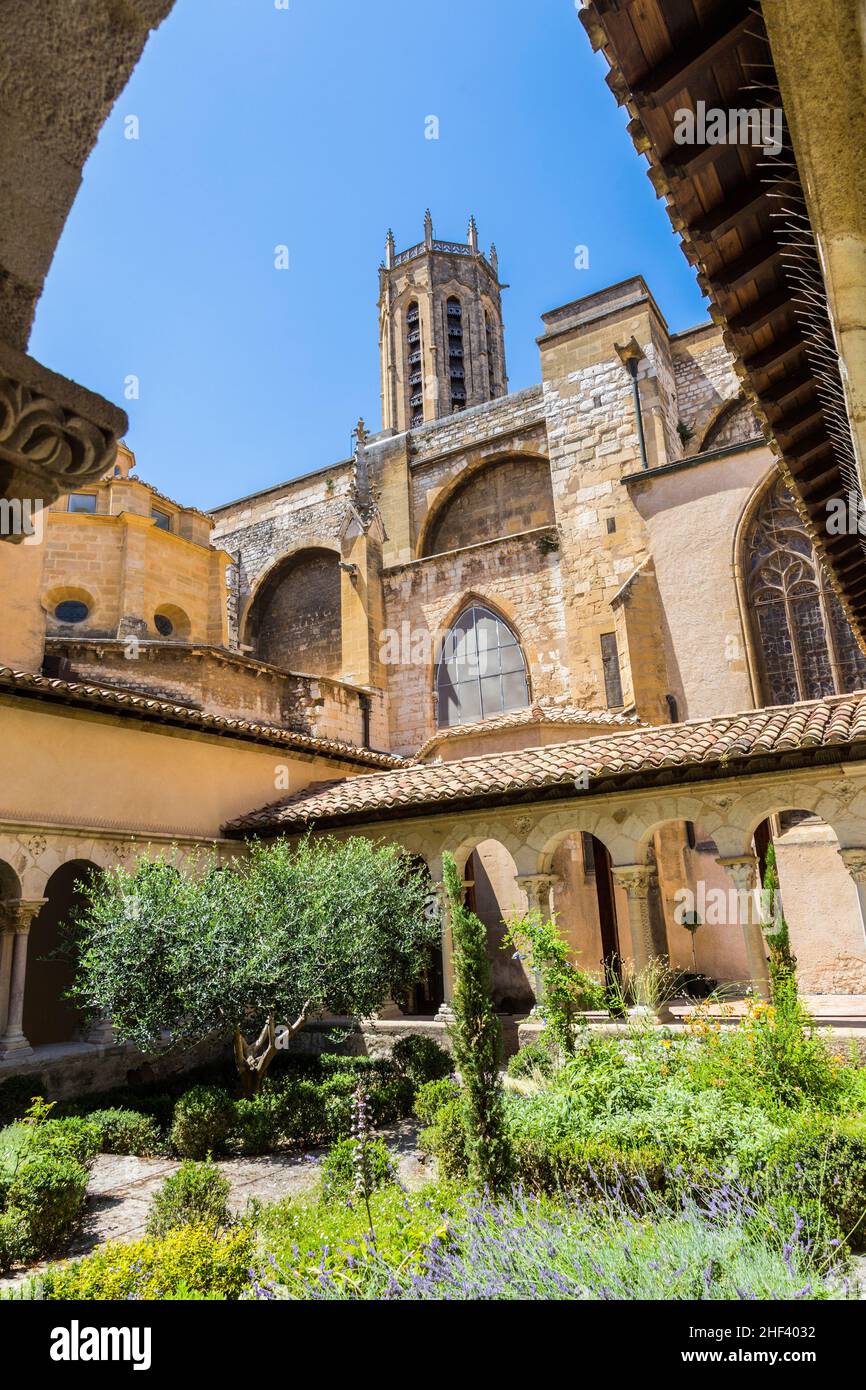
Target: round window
71,611
163,625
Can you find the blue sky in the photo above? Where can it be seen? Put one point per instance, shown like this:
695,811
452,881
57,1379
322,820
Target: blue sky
305,127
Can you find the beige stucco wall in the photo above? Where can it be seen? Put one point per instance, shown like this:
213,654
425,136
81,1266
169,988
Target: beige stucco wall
149,778
692,515
822,910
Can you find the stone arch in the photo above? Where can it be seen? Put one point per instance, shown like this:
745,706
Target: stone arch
55,107
48,1016
497,497
294,616
731,422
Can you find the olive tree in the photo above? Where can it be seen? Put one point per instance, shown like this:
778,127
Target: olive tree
253,948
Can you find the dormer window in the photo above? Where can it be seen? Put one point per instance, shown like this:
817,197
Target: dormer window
82,502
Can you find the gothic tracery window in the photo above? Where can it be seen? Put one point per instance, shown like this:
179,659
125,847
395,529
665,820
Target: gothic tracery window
481,670
806,645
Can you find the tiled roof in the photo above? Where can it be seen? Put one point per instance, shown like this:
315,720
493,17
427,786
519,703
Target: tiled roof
534,714
729,744
145,706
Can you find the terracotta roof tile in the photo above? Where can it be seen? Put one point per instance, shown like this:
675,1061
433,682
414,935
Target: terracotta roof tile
143,705
538,713
733,738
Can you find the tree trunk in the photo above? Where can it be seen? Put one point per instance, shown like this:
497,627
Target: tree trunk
253,1059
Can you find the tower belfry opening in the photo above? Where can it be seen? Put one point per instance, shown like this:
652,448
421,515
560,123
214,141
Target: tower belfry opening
441,337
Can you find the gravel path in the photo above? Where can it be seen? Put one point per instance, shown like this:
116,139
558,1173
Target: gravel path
120,1187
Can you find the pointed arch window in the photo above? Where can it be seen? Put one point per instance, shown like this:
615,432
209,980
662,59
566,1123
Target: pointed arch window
414,363
806,645
492,368
481,670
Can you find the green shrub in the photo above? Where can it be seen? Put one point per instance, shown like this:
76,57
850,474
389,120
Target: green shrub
14,1246
533,1059
126,1132
430,1098
391,1100
301,1109
196,1195
202,1121
476,1037
188,1261
257,1123
47,1194
339,1176
445,1139
822,1159
421,1059
584,1166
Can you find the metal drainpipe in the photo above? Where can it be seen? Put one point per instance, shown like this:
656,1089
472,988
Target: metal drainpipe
631,364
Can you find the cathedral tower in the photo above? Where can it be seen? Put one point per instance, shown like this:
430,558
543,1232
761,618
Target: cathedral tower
440,329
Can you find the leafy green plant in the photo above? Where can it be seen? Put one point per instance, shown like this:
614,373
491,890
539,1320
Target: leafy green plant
822,1158
195,1195
187,1261
203,1119
533,1060
430,1098
421,1059
249,950
477,1043
339,1168
45,1197
257,1123
649,987
126,1132
566,991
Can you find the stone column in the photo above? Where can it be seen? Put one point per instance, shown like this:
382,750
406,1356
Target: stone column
19,916
635,879
445,1010
537,888
743,869
854,860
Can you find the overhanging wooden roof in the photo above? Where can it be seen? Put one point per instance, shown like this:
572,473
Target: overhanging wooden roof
744,224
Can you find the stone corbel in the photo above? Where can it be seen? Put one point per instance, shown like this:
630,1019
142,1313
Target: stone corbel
55,436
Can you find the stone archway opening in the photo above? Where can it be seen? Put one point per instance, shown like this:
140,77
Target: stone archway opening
426,997
493,895
49,1017
295,620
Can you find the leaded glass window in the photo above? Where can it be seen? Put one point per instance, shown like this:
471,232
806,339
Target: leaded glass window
807,648
481,670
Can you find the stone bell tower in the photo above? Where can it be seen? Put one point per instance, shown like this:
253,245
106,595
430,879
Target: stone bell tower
440,329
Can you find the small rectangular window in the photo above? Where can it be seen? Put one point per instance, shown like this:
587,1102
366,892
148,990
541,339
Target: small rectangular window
162,519
610,663
82,502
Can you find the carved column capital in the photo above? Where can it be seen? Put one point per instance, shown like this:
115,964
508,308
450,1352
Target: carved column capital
17,914
743,869
537,889
634,878
54,434
854,859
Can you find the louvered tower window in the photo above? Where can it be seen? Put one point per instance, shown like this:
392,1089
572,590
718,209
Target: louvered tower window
416,371
456,356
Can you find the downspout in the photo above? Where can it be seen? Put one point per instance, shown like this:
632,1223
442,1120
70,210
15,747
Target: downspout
630,355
